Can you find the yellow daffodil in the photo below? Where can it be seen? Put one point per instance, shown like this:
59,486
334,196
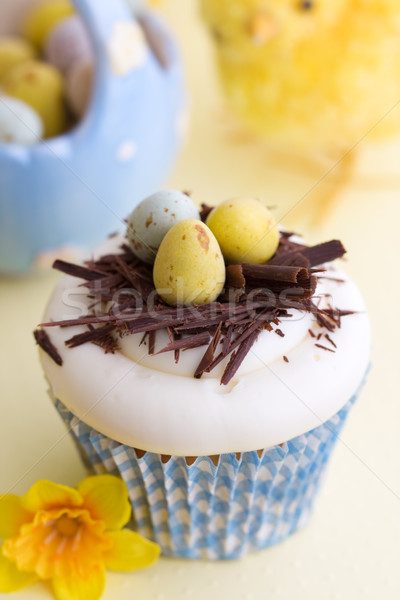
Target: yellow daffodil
69,536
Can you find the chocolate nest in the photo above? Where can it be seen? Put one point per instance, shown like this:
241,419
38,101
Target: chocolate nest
255,298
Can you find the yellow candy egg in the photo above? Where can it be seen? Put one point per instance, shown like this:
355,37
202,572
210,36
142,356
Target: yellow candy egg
189,266
42,87
42,17
14,51
245,229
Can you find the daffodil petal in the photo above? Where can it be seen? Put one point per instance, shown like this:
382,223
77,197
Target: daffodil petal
12,516
130,551
11,579
45,495
106,498
90,587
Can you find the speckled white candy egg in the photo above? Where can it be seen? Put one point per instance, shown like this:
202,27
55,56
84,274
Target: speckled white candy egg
19,123
154,217
68,44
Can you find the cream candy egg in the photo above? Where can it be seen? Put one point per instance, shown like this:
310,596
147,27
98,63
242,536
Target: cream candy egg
245,230
154,217
68,44
19,123
189,266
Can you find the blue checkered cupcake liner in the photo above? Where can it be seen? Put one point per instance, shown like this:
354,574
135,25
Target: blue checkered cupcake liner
207,511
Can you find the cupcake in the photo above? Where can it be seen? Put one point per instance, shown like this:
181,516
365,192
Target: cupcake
214,386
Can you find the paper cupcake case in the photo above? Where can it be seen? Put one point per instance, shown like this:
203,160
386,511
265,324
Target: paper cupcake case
216,512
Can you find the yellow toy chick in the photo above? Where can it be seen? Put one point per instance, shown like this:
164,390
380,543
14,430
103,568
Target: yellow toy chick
311,75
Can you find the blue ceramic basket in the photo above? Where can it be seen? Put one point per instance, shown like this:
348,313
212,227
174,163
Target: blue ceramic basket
74,189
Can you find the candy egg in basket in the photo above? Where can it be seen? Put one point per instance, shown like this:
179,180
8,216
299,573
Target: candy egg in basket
92,104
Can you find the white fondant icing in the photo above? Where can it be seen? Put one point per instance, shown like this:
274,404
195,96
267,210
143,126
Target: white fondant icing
153,404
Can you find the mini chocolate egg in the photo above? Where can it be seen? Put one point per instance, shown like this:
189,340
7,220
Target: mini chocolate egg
14,51
245,229
68,44
41,86
189,266
42,17
19,123
154,217
79,82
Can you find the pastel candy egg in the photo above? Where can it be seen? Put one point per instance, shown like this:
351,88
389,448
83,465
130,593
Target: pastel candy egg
19,123
68,44
79,82
14,51
189,266
245,229
42,17
154,217
42,87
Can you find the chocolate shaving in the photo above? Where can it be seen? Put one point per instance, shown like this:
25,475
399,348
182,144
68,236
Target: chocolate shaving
281,273
316,255
237,357
324,253
335,279
254,326
100,336
173,336
43,340
256,298
77,270
235,277
88,336
330,340
209,354
129,274
294,260
205,211
152,341
336,314
227,340
324,347
191,341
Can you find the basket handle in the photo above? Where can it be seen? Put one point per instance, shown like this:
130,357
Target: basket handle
100,17
106,21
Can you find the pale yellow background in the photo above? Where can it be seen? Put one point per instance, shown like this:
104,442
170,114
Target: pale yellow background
351,549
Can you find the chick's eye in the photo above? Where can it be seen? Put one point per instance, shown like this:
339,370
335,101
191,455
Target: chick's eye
306,4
